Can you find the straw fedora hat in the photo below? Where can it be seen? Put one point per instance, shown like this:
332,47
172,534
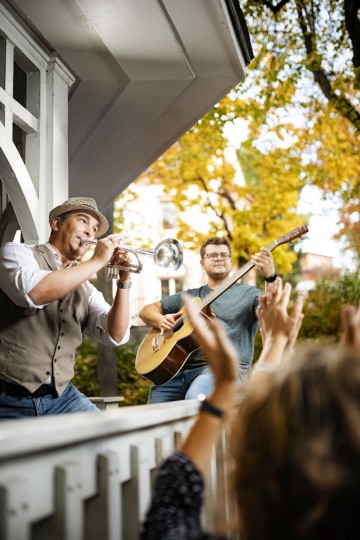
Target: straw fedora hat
81,203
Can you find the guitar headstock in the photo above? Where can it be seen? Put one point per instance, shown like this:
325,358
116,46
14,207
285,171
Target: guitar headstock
291,235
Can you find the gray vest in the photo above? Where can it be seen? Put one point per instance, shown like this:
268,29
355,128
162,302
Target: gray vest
38,343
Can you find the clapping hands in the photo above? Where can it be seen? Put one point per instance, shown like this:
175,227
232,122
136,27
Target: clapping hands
279,329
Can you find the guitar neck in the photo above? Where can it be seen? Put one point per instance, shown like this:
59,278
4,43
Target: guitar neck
231,280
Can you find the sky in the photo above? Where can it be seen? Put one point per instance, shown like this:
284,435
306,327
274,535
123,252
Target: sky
324,216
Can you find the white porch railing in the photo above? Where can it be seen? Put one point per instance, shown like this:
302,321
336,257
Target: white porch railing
88,476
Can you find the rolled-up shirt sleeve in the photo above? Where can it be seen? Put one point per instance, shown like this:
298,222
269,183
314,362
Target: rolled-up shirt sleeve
20,274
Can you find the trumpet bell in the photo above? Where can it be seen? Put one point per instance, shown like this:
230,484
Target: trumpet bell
168,254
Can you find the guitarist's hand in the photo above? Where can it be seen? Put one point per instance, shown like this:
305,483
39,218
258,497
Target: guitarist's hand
264,262
167,322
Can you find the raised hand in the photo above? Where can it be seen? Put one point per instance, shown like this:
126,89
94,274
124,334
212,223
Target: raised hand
272,312
222,358
279,329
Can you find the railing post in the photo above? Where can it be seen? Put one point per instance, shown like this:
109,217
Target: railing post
103,512
138,492
14,506
68,503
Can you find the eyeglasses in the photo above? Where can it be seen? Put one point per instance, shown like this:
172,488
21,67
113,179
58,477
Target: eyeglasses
215,256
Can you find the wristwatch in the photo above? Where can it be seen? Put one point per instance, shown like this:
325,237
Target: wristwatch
124,285
272,278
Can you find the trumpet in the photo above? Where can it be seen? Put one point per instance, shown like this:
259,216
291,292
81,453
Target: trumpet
167,254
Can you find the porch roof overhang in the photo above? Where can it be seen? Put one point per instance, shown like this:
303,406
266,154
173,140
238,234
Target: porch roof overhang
146,71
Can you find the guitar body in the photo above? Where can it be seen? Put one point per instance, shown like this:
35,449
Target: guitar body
160,358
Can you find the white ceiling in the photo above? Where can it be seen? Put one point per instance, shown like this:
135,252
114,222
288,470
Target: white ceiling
146,70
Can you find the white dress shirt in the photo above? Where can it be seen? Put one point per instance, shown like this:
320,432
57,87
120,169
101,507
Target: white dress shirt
20,273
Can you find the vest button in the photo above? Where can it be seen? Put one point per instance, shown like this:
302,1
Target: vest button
48,373
62,334
55,359
61,311
59,347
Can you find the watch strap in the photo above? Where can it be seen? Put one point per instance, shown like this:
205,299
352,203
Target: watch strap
208,407
124,285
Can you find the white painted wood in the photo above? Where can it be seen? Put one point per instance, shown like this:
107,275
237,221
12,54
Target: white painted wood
14,520
20,188
140,83
64,474
44,120
21,116
68,501
9,84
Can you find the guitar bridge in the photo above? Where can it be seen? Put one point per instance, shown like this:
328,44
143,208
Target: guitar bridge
156,343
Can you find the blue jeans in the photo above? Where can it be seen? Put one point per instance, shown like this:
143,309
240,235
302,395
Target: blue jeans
70,401
187,384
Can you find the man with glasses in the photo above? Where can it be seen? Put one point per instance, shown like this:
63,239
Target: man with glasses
236,308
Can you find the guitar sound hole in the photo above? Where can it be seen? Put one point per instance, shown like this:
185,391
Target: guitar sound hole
178,325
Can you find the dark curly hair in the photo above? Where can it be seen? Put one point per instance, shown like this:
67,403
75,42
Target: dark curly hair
217,241
296,450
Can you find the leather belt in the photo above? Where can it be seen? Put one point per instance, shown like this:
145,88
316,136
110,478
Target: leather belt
12,389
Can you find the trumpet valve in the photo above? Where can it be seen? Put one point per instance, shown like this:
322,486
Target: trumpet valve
113,272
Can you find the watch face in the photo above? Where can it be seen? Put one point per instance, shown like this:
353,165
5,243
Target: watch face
125,285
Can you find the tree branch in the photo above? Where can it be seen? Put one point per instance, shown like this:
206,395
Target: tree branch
352,22
224,193
275,9
220,215
339,102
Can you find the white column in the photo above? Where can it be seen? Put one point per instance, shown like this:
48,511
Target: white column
54,177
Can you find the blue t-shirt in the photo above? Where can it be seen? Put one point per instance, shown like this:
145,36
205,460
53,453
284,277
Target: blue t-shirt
236,309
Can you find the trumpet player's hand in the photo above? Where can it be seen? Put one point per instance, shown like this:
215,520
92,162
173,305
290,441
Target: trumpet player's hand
168,321
104,249
121,258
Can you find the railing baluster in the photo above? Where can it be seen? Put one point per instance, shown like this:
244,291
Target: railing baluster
14,505
103,512
89,476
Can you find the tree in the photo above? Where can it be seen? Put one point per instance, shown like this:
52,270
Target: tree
320,37
194,172
300,104
307,67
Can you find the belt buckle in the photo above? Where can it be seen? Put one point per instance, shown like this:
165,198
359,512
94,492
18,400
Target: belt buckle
41,391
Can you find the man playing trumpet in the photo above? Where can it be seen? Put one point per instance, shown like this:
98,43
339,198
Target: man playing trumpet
47,302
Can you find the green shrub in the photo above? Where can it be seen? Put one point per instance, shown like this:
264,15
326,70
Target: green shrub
322,307
133,387
86,370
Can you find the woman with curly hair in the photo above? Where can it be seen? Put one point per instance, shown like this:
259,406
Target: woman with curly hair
295,451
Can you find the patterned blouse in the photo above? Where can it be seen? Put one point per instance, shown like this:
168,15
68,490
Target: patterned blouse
174,513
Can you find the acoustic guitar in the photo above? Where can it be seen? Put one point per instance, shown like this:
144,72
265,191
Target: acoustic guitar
160,357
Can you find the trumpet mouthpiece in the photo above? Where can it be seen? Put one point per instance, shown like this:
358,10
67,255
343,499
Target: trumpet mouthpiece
86,241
